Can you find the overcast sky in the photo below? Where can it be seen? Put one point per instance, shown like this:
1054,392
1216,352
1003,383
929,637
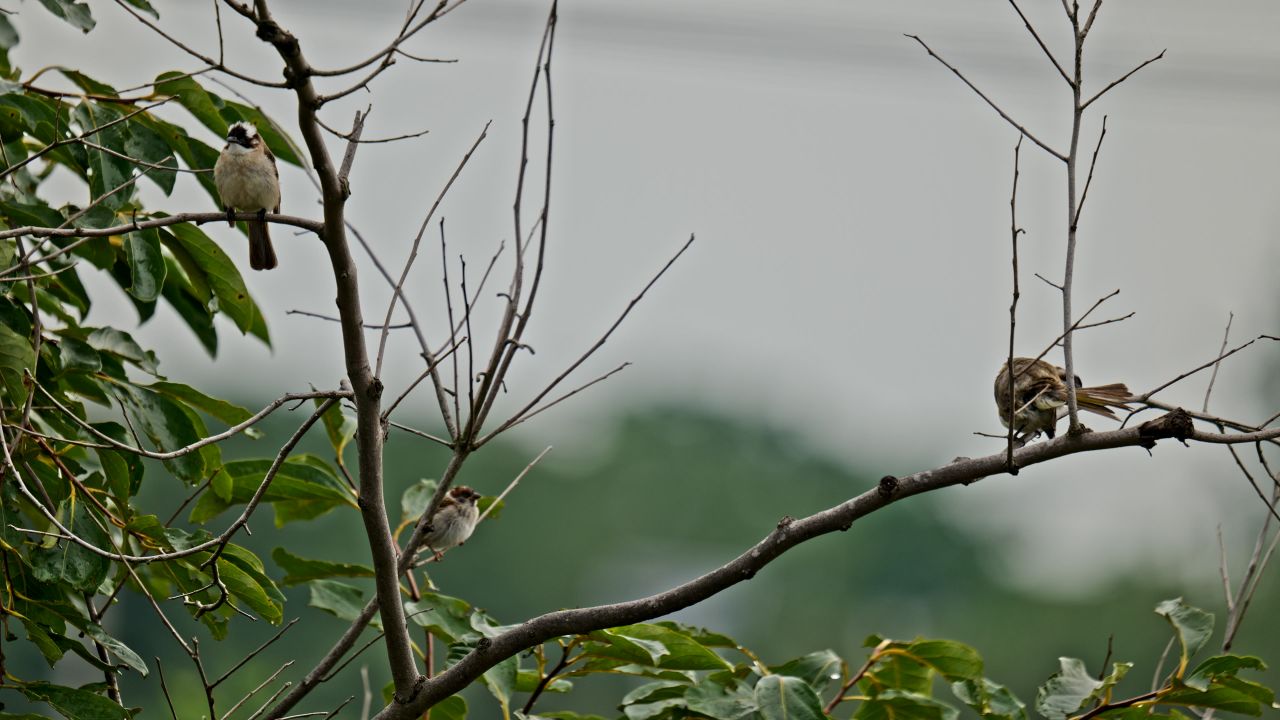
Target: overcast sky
850,280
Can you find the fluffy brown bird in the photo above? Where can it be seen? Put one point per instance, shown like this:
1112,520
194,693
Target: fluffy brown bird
1040,397
247,180
454,521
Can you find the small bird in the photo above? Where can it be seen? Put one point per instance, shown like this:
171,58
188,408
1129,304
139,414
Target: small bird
454,521
1040,398
247,180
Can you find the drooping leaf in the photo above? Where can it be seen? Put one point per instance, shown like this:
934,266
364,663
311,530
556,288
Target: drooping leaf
338,427
1192,626
299,569
990,700
221,276
339,599
723,701
221,410
781,697
302,488
74,703
75,13
1067,691
122,651
817,668
169,427
146,264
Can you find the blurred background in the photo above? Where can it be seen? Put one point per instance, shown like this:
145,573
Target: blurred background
840,316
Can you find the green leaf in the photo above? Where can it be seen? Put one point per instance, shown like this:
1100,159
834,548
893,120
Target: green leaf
221,276
659,647
74,703
220,410
1230,694
781,697
566,715
249,584
69,563
122,345
338,427
1066,692
1192,626
146,264
501,681
339,599
75,13
199,102
122,651
106,172
144,6
299,569
448,618
989,699
415,499
723,702
51,650
1221,666
818,668
303,488
453,707
702,635
16,356
894,705
170,427
953,660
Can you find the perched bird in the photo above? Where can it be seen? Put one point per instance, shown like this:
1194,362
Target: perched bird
248,181
1040,397
454,521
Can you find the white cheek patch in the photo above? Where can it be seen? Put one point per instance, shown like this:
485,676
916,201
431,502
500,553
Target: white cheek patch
238,149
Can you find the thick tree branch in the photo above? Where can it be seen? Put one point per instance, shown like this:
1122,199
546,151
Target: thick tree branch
788,534
367,388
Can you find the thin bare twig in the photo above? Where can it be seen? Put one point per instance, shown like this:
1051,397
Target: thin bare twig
591,350
1121,79
1226,335
989,101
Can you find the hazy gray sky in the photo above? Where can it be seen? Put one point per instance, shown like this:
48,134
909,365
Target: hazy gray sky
850,281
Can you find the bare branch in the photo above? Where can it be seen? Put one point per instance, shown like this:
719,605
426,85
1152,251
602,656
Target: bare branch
1089,180
1226,335
1031,29
1122,78
989,101
591,350
1144,397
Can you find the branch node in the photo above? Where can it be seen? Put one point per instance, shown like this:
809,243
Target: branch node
785,522
888,486
1176,425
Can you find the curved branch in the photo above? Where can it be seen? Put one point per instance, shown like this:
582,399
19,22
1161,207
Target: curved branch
788,534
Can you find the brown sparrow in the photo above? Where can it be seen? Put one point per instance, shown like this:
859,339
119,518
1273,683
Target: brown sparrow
247,180
1040,397
454,521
